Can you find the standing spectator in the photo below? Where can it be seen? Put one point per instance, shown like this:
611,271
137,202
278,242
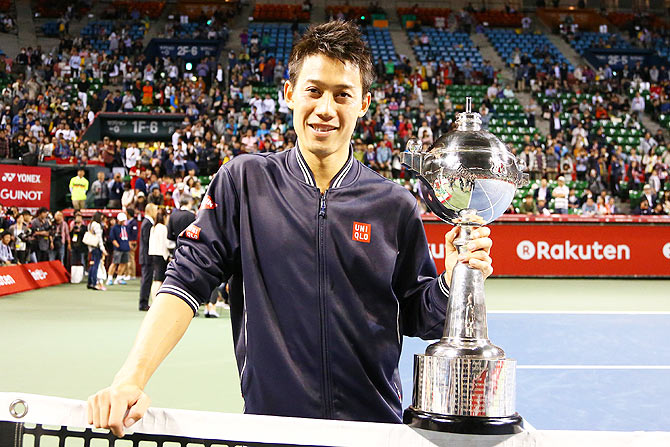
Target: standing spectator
115,192
95,227
100,191
637,105
61,238
42,232
561,194
118,235
79,249
20,231
146,263
133,231
158,250
78,189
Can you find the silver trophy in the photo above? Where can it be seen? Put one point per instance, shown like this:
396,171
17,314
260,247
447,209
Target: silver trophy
464,383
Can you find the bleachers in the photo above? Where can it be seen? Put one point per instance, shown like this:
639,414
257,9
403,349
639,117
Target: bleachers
153,9
267,12
505,41
444,46
51,29
350,12
426,16
51,9
99,41
381,44
589,39
278,39
499,19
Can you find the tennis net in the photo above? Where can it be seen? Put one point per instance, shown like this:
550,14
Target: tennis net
29,420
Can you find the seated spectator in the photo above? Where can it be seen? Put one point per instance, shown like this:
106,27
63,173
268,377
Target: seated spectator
528,206
6,256
589,208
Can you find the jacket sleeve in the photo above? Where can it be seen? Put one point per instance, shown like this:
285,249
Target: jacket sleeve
422,294
208,249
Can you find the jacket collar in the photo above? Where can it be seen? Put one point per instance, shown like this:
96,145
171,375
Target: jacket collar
344,177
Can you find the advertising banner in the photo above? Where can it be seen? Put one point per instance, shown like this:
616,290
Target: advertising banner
25,186
19,278
570,250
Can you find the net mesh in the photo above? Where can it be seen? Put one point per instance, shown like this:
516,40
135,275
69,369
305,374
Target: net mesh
38,435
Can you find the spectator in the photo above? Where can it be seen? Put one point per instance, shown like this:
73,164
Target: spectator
589,208
97,249
115,192
561,193
118,235
158,250
133,232
78,189
41,229
100,191
20,233
61,238
6,256
79,249
528,206
146,261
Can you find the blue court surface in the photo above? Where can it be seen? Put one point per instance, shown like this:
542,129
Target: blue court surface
581,371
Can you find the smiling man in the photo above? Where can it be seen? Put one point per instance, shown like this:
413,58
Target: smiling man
327,261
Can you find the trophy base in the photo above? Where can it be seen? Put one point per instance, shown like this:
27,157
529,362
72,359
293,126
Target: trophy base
469,425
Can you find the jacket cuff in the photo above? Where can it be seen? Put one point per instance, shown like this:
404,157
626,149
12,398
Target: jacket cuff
444,287
181,293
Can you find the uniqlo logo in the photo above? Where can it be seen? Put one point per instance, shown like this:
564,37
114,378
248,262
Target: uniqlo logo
361,232
208,203
192,232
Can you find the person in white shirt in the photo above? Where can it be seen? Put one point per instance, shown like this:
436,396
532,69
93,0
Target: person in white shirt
637,105
132,155
561,194
158,250
269,104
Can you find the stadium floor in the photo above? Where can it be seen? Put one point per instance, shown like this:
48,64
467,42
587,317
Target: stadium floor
593,354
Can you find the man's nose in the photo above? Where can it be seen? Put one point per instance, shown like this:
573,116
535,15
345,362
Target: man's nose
326,106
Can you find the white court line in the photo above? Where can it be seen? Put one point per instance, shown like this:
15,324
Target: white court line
623,367
582,312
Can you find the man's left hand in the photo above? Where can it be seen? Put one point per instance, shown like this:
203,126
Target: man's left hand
477,255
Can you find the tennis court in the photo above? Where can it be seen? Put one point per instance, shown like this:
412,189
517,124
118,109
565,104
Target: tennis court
592,354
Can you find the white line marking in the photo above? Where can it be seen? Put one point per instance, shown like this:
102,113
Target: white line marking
582,312
624,367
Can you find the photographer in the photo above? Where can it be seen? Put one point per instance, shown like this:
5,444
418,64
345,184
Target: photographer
79,249
41,227
22,234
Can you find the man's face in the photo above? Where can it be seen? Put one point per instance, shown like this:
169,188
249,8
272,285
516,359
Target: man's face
327,100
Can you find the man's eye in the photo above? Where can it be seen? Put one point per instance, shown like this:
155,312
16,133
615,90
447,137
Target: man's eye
345,94
312,90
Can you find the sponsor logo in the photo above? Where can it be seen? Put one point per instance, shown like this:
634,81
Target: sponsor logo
361,232
567,251
6,280
21,178
13,194
207,203
666,250
38,275
192,232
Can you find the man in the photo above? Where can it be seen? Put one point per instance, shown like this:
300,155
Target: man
61,238
100,191
649,195
115,192
6,256
119,237
78,189
145,260
324,319
561,194
41,228
133,231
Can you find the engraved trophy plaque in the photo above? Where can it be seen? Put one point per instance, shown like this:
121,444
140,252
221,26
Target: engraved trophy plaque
464,383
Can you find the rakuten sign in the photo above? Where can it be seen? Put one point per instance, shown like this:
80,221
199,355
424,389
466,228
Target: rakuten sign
578,250
527,250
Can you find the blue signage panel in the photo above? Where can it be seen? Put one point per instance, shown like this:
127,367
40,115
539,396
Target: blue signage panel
186,49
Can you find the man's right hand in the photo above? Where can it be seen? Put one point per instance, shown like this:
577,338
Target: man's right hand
117,407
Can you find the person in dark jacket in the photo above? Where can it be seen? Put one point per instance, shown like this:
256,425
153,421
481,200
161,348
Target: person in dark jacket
145,260
328,262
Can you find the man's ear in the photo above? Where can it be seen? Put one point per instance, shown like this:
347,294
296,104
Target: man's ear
365,105
288,94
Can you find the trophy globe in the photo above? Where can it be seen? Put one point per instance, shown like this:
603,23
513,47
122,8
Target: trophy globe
464,383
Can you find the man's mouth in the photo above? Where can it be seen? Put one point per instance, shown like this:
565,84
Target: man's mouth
322,129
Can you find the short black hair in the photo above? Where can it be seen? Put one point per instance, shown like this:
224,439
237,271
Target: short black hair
337,40
42,210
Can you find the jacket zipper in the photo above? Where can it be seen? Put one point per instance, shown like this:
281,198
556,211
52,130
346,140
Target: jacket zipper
327,397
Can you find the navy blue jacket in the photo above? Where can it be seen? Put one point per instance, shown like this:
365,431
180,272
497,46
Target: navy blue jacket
319,304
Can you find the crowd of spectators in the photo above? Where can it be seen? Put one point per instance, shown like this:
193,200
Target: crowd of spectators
48,100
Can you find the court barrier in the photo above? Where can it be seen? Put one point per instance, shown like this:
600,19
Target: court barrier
34,420
20,278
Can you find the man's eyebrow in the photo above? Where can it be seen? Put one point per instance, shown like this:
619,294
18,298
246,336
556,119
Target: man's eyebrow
321,84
